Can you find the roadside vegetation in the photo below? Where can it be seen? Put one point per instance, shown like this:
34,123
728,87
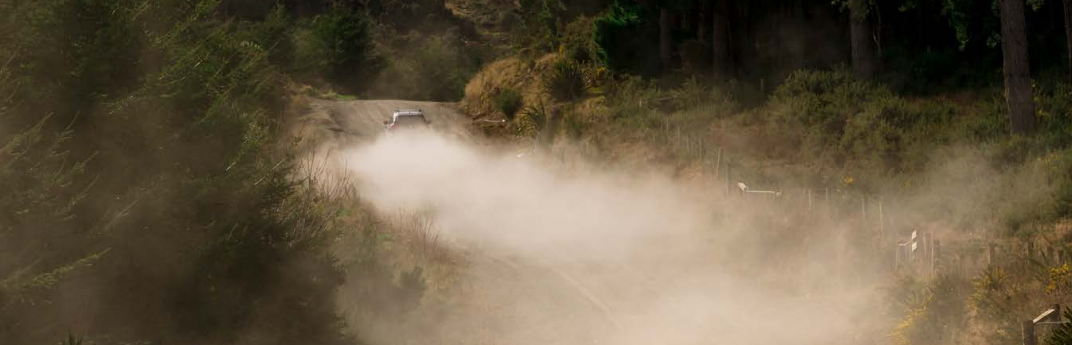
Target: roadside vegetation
145,195
629,84
149,190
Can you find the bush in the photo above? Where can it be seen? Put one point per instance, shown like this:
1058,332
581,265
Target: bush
859,125
509,101
566,81
930,312
996,301
625,37
1062,334
212,199
338,46
577,42
1055,115
426,67
535,26
535,118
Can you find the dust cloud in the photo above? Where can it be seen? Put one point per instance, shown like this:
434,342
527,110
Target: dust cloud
581,256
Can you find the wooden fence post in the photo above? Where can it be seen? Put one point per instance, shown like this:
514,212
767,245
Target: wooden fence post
809,201
1028,328
989,254
936,257
881,220
863,211
826,200
718,163
729,179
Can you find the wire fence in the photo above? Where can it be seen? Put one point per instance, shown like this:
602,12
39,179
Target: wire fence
914,249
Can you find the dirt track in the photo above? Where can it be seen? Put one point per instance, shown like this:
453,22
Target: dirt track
522,301
327,124
563,296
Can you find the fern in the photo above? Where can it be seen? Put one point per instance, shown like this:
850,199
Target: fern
1062,335
566,81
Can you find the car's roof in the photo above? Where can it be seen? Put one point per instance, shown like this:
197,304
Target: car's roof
406,112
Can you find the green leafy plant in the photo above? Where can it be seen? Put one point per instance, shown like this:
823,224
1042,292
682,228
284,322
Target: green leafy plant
509,101
625,36
1062,335
566,81
535,118
535,26
432,67
338,45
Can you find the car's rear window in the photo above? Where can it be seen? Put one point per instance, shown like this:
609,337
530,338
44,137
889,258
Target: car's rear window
405,120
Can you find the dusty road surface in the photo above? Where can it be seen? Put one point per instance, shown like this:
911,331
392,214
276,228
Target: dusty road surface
512,299
329,124
578,257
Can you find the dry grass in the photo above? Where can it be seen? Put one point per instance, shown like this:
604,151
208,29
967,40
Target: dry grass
512,72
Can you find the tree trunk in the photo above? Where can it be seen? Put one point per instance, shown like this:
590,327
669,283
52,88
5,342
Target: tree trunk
742,36
666,47
1068,34
720,40
703,20
1018,93
864,61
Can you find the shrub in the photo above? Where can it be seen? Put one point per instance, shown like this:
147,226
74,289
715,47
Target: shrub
625,37
509,101
1062,334
198,122
857,124
535,26
996,301
577,42
1055,115
565,81
432,67
535,118
338,46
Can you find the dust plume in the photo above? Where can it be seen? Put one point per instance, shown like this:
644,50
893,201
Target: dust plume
573,256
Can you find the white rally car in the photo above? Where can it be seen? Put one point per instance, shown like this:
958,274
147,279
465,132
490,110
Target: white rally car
406,119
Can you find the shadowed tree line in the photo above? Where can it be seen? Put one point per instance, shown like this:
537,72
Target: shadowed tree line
147,190
917,46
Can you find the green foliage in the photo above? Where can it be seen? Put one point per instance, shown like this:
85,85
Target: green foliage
71,340
535,118
996,300
179,111
509,101
631,97
964,17
407,17
626,38
1062,335
338,45
857,124
1054,106
432,67
536,26
931,312
577,42
566,81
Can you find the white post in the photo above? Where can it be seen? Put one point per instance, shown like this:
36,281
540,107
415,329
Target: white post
881,220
